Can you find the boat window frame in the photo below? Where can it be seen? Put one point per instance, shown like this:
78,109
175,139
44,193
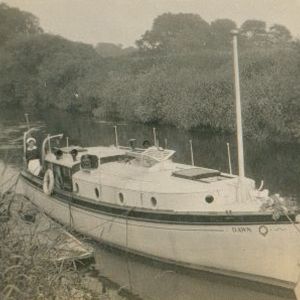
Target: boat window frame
76,190
121,197
209,199
153,201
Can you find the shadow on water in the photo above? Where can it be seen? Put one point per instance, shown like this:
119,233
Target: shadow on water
277,165
140,278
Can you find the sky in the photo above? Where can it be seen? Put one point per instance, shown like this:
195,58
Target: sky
124,21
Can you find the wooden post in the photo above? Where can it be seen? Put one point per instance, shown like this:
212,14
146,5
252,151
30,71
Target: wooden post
154,137
67,141
116,136
229,158
192,152
166,143
27,121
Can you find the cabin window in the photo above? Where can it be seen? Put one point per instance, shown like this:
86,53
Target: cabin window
153,201
97,192
76,190
209,199
108,159
89,162
121,197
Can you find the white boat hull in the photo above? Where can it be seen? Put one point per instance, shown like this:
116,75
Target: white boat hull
265,253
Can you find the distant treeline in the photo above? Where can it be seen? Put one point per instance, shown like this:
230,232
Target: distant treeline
180,73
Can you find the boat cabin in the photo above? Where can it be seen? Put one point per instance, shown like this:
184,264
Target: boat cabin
67,161
64,164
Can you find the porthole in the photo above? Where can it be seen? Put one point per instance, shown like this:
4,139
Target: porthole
97,192
209,198
153,201
121,197
76,188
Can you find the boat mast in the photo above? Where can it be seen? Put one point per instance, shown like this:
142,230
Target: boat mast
238,106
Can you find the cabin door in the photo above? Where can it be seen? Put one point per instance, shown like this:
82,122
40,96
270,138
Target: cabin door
62,177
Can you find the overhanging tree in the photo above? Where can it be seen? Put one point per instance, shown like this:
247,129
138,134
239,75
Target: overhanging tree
14,22
175,33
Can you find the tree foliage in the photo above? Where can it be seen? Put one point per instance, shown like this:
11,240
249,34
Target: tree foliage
181,74
113,50
14,22
176,32
221,32
279,34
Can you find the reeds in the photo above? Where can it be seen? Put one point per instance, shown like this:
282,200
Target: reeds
27,267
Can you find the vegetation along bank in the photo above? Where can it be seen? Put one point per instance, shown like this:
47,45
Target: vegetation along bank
179,73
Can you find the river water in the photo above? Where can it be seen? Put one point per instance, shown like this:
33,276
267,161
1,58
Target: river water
278,165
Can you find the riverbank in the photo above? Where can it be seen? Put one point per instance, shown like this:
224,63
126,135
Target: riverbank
39,259
29,267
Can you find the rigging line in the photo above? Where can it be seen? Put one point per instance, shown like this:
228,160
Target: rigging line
100,226
113,219
108,222
127,252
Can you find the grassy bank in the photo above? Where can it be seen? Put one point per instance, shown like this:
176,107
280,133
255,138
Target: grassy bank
38,259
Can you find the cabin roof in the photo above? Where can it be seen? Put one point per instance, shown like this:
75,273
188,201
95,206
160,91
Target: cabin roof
156,180
154,153
66,159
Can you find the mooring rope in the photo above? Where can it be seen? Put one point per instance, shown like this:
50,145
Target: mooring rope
280,208
291,221
9,191
71,222
9,179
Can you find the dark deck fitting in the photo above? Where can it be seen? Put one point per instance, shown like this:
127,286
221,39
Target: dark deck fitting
196,173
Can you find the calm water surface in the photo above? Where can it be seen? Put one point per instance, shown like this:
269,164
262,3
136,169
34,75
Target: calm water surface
277,165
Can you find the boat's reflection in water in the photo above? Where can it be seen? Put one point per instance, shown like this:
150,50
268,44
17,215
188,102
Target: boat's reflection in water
142,278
